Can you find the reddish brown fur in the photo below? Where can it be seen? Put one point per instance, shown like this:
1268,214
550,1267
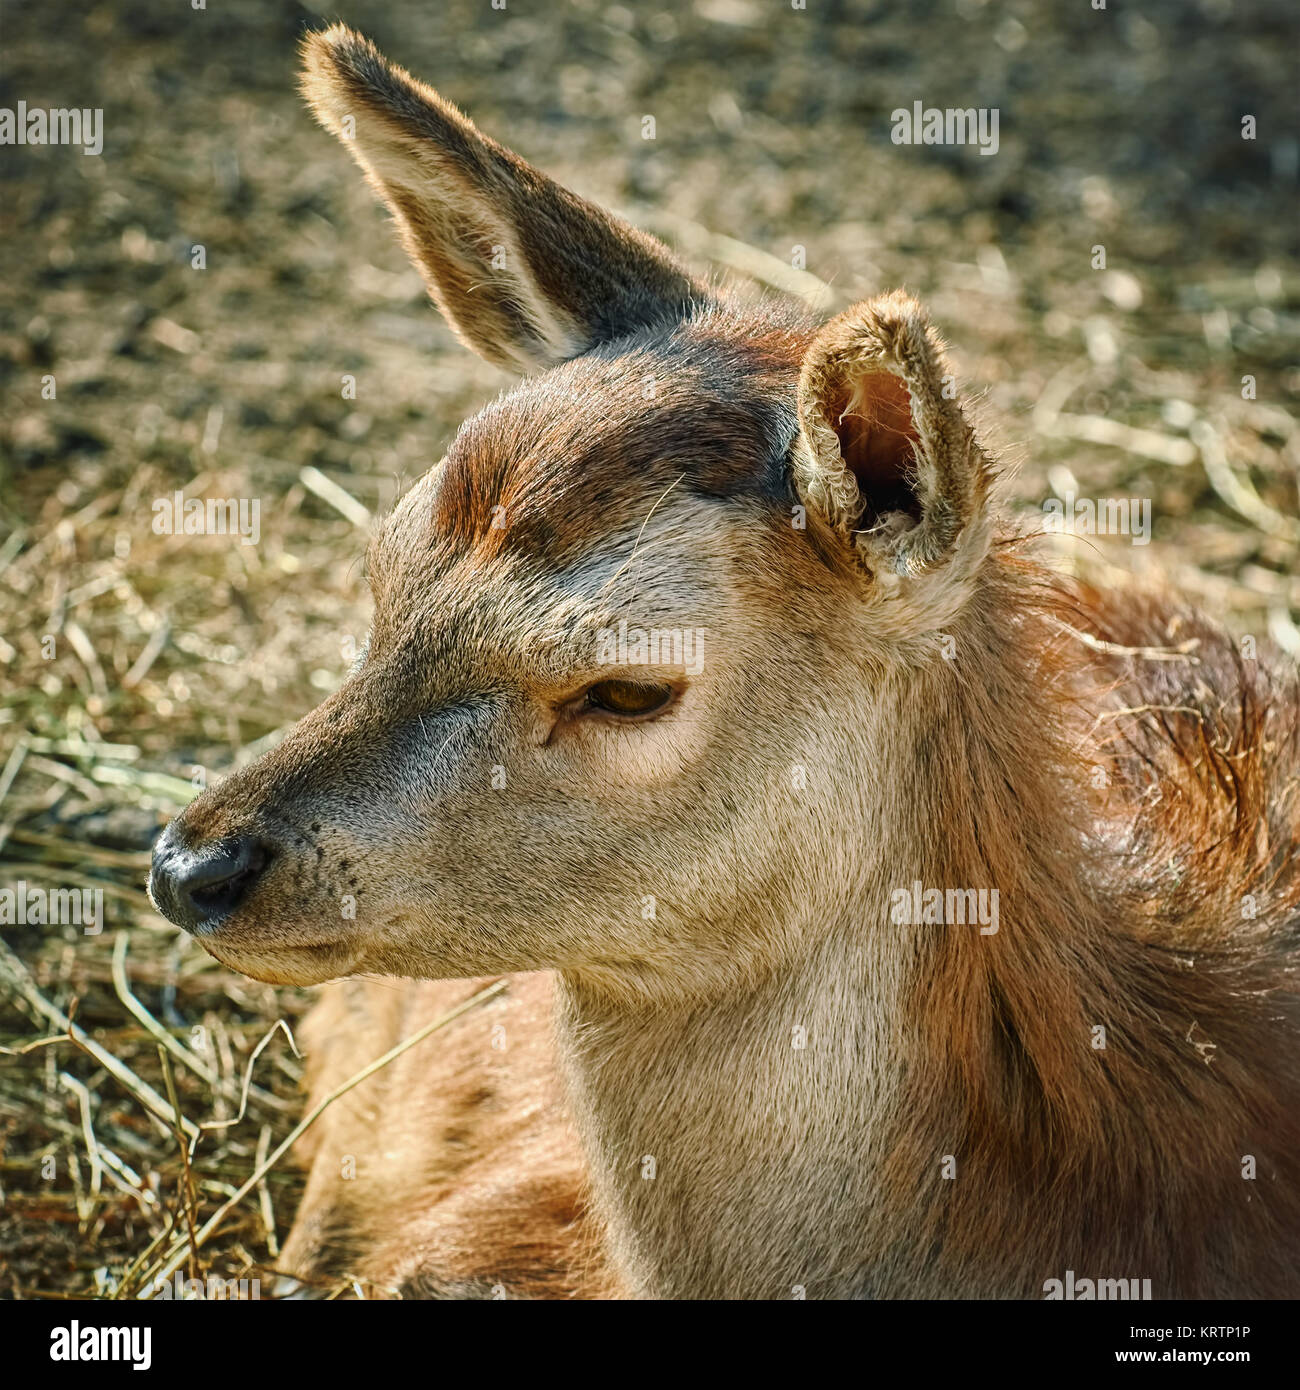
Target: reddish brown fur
1140,929
476,1180
586,435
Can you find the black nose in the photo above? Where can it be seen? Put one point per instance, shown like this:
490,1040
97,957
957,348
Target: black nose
196,888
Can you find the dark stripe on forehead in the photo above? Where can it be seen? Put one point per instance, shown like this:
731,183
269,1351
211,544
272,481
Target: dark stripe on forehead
572,455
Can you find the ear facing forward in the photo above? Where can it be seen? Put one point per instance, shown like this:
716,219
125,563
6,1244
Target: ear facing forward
888,460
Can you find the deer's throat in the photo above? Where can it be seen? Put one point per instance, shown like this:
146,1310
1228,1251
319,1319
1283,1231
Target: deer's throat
717,1137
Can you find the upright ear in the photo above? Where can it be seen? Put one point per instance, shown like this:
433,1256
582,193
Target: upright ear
887,458
526,273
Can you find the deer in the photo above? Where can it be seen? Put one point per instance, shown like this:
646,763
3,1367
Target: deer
743,1041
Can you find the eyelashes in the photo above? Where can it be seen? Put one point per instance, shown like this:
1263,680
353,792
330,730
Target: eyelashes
628,700
617,702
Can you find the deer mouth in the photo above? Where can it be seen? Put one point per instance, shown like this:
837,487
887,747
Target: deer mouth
302,963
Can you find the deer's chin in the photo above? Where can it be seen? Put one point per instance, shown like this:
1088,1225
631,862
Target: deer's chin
287,965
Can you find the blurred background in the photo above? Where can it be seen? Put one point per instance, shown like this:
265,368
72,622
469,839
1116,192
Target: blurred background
136,666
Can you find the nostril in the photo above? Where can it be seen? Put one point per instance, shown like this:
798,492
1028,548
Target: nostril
196,887
217,884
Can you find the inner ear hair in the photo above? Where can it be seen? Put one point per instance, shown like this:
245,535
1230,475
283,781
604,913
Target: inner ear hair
872,419
888,459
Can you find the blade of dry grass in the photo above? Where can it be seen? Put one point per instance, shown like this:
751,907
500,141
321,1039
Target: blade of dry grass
177,1256
16,973
178,1049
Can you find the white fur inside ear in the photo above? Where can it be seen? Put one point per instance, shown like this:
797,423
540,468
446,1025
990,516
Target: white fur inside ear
891,525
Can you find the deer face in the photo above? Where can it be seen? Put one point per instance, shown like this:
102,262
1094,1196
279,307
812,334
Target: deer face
601,721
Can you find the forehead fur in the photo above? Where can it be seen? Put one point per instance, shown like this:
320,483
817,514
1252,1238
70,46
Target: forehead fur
705,408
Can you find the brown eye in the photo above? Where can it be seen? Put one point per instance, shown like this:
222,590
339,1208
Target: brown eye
628,699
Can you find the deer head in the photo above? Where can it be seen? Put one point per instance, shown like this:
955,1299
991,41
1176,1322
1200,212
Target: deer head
615,714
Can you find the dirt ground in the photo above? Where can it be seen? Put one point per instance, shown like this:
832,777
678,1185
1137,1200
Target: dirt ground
137,665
